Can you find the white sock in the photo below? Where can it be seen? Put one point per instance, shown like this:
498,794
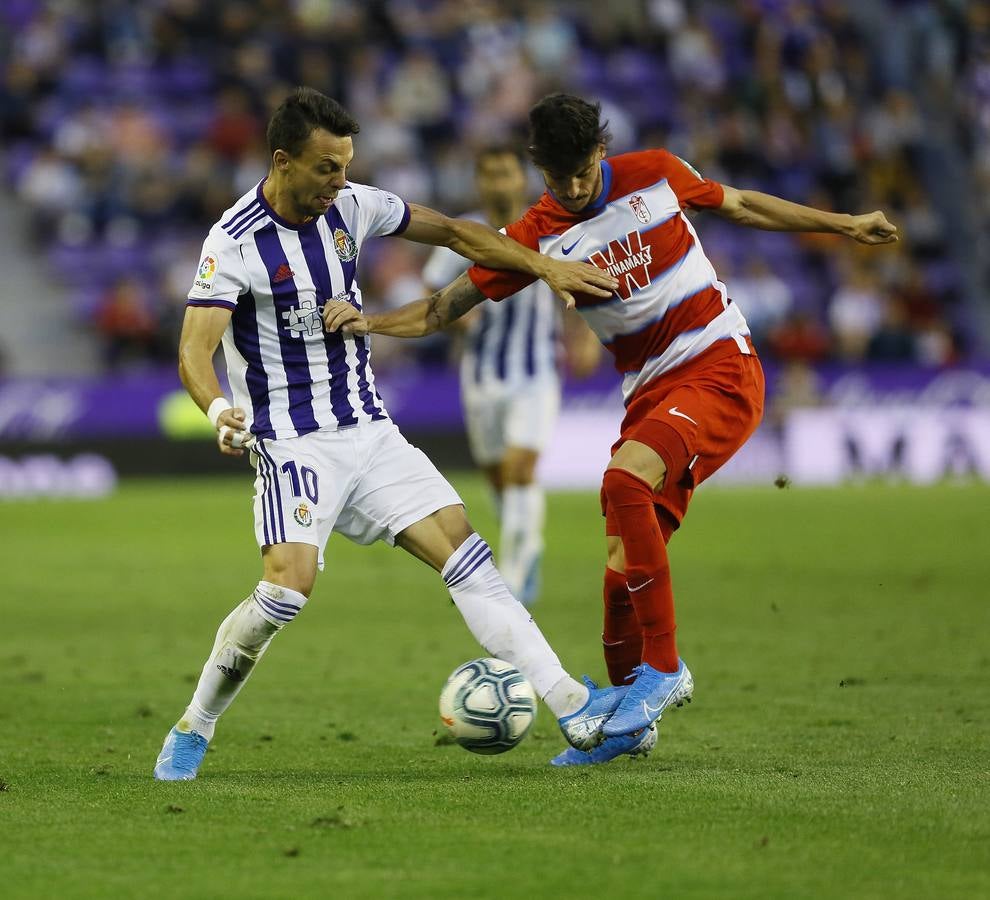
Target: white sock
501,624
241,639
521,540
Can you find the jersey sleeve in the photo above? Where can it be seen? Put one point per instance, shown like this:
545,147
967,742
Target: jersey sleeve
497,284
381,213
691,188
221,276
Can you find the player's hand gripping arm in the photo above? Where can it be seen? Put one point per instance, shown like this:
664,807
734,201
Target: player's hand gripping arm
486,246
202,329
771,213
416,319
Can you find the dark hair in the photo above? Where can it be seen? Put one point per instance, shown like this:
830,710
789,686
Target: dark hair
300,113
563,132
503,149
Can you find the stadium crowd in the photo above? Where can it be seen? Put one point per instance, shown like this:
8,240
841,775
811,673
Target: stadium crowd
127,128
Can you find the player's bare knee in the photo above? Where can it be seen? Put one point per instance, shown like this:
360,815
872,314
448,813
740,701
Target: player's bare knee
289,569
519,466
454,523
642,461
494,476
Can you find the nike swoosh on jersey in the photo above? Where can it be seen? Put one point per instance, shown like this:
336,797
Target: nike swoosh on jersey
566,250
674,411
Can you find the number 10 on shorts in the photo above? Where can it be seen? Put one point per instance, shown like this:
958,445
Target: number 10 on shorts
303,480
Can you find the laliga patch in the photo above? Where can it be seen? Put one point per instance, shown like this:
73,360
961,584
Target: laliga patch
346,248
639,207
207,273
302,515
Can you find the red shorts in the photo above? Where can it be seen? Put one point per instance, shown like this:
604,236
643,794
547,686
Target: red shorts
695,418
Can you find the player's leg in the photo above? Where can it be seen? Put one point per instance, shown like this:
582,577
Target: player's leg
622,643
293,517
242,638
635,473
622,636
446,541
402,499
685,432
523,515
493,477
287,581
530,416
483,410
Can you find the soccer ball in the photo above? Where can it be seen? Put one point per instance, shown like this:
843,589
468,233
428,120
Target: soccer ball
487,706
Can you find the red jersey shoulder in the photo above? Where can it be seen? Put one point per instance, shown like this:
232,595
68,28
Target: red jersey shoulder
644,168
544,218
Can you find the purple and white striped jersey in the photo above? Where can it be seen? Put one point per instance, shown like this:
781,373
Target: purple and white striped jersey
510,342
291,377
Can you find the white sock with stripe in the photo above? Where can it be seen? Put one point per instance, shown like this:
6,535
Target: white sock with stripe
521,539
241,639
501,624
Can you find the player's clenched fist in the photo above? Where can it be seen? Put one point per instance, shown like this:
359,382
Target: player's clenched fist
232,434
873,228
339,315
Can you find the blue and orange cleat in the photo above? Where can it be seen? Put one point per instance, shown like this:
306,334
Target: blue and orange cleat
649,695
181,755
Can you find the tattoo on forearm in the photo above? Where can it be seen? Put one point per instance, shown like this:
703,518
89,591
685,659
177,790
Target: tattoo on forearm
452,302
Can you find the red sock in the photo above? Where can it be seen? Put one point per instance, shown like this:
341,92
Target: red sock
622,637
647,567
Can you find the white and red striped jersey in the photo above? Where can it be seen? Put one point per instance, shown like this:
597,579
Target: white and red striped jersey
289,375
670,305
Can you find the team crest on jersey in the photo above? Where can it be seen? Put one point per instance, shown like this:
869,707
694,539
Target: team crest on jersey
303,319
639,207
206,273
346,248
627,259
302,515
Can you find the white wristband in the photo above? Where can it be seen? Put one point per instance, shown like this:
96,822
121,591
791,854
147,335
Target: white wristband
220,405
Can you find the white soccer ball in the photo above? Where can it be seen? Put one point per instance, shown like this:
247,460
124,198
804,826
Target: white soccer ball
487,706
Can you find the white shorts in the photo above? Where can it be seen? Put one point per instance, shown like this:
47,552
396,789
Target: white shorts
501,414
366,482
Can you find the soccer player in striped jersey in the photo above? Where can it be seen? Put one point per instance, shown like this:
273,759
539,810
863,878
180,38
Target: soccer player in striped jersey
692,383
327,456
510,384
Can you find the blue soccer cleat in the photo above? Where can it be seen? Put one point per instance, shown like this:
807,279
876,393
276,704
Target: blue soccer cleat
638,744
181,755
649,695
583,729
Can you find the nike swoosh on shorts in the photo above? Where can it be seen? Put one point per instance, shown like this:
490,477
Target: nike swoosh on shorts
674,411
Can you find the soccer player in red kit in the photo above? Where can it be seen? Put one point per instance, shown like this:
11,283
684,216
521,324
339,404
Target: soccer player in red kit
692,383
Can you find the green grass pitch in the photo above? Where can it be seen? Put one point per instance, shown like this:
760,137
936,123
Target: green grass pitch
838,745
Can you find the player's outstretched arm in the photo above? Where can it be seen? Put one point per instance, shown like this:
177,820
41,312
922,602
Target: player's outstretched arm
770,213
202,329
416,319
486,246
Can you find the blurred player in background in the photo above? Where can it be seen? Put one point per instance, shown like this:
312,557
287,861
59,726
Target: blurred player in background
510,382
692,384
328,458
